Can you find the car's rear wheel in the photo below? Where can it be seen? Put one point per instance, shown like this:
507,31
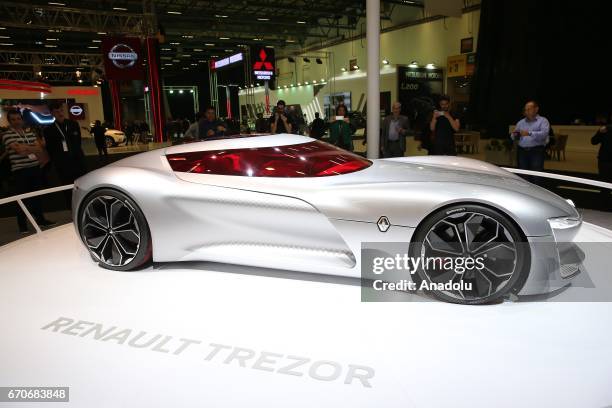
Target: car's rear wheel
499,252
110,142
115,230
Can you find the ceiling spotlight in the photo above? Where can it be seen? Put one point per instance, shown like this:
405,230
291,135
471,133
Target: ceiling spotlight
209,44
355,67
314,81
290,59
300,22
343,69
174,12
220,16
80,81
414,64
55,3
171,91
120,8
299,84
306,59
289,41
307,83
224,38
191,91
263,19
385,61
431,65
319,61
322,79
180,91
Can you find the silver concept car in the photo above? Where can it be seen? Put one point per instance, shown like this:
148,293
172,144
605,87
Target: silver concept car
295,203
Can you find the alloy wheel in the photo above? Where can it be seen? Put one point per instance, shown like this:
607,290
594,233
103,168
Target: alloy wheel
110,230
469,234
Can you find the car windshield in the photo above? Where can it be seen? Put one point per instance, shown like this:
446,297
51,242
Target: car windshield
312,159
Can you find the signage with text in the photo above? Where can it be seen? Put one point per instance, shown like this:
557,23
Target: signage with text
122,58
262,63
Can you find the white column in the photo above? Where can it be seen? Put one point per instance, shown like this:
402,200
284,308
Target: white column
373,77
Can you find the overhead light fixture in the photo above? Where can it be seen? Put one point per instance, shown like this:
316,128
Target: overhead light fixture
343,69
198,50
175,43
306,59
7,44
93,47
256,39
355,67
56,3
187,36
166,49
289,41
290,59
101,33
224,38
174,12
120,8
431,65
50,46
299,84
220,16
300,22
171,91
263,19
385,61
80,81
319,61
46,39
180,91
307,83
186,55
168,64
209,44
96,41
191,91
322,79
413,64
314,81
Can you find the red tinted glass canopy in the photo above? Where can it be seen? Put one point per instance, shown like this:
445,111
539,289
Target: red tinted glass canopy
313,159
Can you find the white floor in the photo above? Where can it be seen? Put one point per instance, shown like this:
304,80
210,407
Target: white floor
417,354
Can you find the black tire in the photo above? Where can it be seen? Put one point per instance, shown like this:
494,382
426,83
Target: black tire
481,233
114,230
110,142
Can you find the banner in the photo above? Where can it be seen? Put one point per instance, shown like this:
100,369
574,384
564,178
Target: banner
122,58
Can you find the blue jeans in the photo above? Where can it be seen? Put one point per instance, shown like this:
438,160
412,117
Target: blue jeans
531,158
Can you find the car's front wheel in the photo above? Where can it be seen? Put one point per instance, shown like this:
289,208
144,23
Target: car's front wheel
114,230
471,255
110,142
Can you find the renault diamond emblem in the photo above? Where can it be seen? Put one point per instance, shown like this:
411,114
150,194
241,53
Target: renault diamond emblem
383,224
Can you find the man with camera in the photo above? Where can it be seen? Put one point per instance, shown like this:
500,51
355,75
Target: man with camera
443,126
280,121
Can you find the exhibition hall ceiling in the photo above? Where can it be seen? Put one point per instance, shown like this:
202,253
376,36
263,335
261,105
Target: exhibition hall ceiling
35,35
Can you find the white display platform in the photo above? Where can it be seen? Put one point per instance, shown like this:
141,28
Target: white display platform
421,353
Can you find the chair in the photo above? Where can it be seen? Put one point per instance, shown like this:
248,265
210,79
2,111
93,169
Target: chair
471,141
558,147
459,143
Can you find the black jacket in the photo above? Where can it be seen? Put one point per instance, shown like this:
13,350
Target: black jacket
69,164
605,150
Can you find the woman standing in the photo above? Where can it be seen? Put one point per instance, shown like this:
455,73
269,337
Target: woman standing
340,131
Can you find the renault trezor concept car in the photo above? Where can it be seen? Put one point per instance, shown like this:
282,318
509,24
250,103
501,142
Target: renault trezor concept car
295,203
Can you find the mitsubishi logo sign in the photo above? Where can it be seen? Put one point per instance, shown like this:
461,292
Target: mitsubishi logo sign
123,56
263,63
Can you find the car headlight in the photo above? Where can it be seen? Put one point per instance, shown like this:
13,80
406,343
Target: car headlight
562,223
